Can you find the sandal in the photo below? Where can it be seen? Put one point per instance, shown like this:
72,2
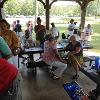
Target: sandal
55,77
75,77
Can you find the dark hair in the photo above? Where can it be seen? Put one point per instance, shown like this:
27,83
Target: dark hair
5,21
49,37
18,21
38,18
72,20
75,23
53,25
75,31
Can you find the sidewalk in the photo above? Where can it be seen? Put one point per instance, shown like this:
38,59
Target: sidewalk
90,52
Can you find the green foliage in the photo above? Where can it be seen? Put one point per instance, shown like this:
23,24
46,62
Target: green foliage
65,10
96,37
91,9
41,10
19,7
27,7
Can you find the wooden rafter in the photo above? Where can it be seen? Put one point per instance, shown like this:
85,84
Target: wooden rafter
52,3
42,3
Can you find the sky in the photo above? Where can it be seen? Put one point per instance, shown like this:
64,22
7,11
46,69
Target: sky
60,3
65,3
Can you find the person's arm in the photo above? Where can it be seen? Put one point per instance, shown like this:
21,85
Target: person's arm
4,49
15,41
91,31
67,48
57,54
77,49
35,28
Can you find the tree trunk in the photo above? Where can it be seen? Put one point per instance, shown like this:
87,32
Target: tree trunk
47,14
0,14
83,14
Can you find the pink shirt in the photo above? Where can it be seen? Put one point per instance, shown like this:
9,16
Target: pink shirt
49,54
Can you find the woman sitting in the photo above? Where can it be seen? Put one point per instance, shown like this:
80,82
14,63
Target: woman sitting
52,57
75,55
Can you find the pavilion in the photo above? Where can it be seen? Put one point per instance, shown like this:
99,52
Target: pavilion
47,6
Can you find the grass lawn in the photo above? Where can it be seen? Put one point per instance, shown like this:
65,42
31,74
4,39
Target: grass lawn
95,38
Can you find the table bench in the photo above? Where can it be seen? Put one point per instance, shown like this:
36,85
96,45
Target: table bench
89,59
94,77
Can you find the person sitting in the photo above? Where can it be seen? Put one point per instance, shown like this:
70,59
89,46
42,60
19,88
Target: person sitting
52,57
27,40
88,32
75,55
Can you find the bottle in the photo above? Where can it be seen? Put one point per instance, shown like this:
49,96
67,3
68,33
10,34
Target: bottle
97,63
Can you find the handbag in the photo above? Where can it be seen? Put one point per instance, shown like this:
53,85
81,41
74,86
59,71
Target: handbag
8,73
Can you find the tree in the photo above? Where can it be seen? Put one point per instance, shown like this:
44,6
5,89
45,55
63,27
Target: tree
83,5
47,7
91,9
1,6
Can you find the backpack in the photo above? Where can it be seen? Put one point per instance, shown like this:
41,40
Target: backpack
8,73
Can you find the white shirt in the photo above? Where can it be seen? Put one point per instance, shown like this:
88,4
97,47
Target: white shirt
88,31
55,31
71,28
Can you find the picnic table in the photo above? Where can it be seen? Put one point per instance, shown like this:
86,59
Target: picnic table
94,76
36,50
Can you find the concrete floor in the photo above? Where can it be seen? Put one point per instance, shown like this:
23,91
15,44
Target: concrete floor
43,87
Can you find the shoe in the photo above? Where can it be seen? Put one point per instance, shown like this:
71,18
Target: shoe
51,72
56,77
75,77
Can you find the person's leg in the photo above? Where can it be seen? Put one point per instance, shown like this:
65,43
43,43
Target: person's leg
60,68
76,71
74,64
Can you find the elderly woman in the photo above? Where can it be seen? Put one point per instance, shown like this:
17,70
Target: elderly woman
75,55
52,57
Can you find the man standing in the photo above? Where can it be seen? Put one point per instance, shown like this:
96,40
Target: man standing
19,30
40,31
71,28
54,31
